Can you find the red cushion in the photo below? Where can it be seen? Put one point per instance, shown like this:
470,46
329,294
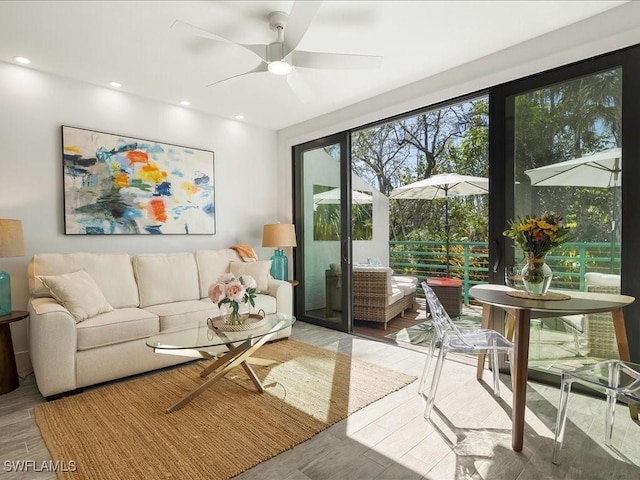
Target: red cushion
444,281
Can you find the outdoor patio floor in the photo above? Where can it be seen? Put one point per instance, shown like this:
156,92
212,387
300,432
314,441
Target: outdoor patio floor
551,349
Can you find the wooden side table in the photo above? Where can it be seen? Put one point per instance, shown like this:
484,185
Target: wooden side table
8,371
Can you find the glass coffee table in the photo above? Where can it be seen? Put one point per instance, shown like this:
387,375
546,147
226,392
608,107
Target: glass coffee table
203,341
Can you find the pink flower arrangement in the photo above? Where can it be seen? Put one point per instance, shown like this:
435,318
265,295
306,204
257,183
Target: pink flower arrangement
232,291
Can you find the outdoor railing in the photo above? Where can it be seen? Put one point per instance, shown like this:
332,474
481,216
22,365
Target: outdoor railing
469,261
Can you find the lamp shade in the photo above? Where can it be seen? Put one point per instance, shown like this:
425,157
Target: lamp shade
11,238
279,235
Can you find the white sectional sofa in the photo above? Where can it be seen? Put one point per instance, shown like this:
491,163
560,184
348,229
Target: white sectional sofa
126,299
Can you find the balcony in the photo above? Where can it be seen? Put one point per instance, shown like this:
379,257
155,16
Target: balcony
469,262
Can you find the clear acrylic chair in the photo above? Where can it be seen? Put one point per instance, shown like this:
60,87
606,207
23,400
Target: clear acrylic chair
614,377
448,337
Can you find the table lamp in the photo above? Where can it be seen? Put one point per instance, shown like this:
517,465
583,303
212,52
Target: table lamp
279,235
11,245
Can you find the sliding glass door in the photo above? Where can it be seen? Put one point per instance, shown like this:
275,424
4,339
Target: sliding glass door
560,143
324,251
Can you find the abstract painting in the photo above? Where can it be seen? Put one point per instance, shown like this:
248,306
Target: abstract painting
121,185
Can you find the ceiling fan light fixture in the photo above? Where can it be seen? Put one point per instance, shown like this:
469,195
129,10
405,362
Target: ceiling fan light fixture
279,67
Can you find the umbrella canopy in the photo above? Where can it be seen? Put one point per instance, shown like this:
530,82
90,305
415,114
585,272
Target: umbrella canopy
333,197
602,169
445,185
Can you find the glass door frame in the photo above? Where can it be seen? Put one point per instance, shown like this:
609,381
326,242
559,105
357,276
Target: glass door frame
343,140
501,173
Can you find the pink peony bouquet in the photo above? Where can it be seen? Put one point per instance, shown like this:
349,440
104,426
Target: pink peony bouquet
232,291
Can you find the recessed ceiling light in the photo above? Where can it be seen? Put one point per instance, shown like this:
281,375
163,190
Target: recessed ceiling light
239,117
185,103
22,60
115,84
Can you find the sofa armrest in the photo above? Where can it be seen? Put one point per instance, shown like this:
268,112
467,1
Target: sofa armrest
52,345
283,291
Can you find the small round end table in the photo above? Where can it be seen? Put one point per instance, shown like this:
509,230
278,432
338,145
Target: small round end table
8,371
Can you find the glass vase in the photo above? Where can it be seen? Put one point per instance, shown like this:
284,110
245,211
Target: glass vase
536,276
233,317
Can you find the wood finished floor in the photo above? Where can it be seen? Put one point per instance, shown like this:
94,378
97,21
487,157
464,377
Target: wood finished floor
470,436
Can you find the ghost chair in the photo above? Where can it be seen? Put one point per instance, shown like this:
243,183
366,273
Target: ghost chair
616,378
448,337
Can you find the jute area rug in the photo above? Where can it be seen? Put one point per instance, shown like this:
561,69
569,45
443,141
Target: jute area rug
121,431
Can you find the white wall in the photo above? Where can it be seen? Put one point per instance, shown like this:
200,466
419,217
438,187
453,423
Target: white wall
34,105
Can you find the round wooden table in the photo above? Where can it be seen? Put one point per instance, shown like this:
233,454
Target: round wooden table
523,310
8,372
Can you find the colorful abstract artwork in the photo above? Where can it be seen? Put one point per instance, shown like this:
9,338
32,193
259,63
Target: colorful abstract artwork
121,185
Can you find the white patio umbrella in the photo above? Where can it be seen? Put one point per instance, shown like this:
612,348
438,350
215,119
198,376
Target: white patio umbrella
602,169
445,185
333,197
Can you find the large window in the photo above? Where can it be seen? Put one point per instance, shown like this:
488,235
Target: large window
451,138
511,135
568,160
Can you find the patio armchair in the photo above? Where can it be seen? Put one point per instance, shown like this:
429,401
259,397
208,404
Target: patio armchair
379,296
594,334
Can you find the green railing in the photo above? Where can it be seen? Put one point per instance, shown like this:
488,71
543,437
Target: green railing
469,261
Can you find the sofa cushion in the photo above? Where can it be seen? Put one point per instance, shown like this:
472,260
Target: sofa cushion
111,271
266,303
166,278
183,314
408,288
259,270
405,279
78,293
117,326
595,279
396,294
212,264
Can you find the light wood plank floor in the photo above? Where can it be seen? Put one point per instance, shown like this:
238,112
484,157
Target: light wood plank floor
470,436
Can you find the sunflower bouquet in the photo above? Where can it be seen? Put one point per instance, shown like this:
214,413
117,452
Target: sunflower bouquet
537,235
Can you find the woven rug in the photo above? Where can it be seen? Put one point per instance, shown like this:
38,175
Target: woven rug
121,431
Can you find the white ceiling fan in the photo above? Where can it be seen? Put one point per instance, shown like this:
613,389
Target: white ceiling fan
281,56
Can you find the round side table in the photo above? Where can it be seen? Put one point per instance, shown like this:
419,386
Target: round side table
8,372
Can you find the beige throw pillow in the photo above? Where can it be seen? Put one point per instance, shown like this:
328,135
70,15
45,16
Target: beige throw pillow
78,293
258,270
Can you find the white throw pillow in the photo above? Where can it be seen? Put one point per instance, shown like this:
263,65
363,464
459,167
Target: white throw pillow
78,293
260,271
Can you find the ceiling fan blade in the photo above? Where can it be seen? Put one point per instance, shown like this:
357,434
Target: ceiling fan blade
259,50
334,60
298,23
263,67
299,86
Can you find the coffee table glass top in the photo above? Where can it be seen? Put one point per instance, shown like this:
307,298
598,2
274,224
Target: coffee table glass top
203,336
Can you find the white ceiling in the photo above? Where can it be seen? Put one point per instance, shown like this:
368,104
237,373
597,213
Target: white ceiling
133,43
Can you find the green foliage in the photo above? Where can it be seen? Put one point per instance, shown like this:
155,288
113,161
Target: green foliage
552,124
